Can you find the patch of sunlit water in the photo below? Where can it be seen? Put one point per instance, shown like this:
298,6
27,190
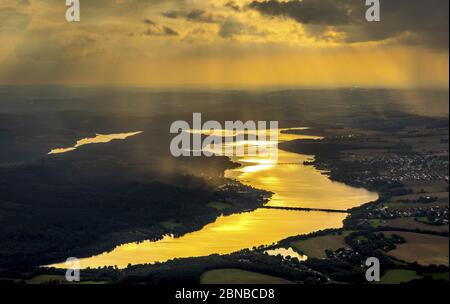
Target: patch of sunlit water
227,235
286,253
98,139
293,185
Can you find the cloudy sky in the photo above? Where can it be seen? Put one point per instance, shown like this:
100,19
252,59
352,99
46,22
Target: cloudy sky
222,42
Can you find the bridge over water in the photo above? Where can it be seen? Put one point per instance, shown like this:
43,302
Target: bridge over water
305,209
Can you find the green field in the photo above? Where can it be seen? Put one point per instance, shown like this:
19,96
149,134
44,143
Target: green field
237,276
439,276
398,276
315,247
46,279
59,279
377,223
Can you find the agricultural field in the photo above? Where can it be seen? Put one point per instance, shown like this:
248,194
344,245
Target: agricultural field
398,276
376,223
47,279
439,276
412,223
407,205
426,144
441,196
429,187
237,276
44,279
424,249
410,201
317,246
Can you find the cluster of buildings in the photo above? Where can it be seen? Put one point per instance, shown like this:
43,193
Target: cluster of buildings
435,215
409,167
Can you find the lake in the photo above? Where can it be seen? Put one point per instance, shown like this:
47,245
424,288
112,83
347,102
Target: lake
293,184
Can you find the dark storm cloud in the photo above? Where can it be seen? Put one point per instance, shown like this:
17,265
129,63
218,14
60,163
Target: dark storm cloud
230,28
169,31
195,15
156,30
422,22
149,22
233,6
233,27
200,16
319,12
172,14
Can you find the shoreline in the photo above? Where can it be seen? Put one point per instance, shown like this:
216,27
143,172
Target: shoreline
314,269
234,211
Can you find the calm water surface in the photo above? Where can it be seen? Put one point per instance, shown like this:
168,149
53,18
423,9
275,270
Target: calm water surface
98,139
293,185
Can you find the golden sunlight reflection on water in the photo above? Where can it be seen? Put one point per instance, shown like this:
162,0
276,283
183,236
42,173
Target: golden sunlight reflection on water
293,185
287,252
98,139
